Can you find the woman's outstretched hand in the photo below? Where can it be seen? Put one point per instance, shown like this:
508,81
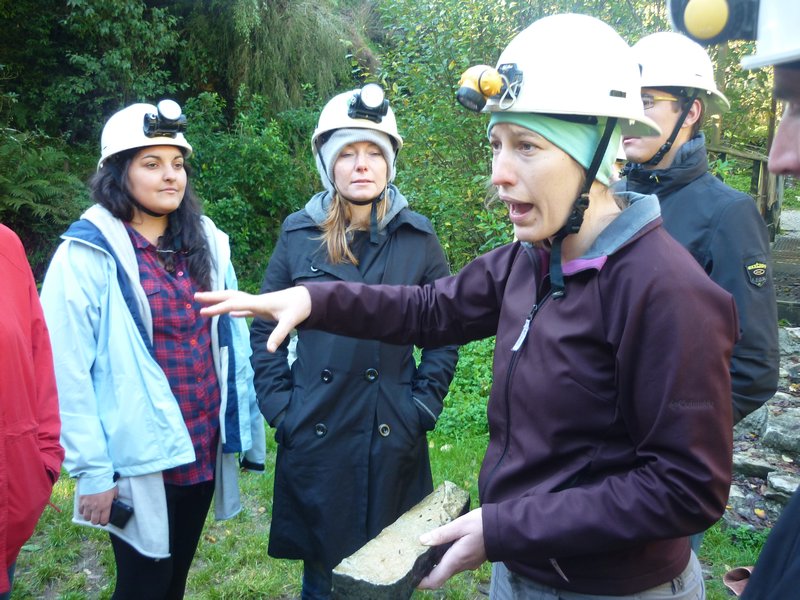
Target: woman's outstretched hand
288,307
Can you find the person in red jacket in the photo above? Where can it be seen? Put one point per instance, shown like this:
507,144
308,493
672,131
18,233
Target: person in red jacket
30,455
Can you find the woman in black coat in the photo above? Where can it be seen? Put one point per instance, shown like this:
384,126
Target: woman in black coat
351,415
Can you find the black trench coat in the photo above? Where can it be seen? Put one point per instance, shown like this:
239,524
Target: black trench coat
352,451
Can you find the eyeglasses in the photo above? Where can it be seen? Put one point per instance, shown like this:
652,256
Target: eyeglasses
649,100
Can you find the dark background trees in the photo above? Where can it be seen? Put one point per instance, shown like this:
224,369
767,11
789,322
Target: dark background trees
252,75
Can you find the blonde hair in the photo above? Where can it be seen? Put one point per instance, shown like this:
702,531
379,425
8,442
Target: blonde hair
337,231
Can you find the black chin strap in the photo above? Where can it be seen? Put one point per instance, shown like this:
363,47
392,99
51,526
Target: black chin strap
575,218
658,156
147,211
373,214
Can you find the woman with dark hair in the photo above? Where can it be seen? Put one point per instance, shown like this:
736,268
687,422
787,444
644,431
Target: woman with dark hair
155,400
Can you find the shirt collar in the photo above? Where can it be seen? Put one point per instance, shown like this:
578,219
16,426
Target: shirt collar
640,211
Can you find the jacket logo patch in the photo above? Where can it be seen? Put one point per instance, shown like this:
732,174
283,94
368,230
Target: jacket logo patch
757,273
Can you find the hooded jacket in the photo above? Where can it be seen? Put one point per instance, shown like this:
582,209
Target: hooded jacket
30,455
609,416
722,229
117,409
352,451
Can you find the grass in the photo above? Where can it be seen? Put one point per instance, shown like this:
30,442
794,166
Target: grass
65,561
791,194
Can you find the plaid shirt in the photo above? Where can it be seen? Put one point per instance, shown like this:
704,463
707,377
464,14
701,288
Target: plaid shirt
182,344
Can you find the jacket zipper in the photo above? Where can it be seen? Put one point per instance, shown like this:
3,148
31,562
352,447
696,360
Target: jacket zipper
523,336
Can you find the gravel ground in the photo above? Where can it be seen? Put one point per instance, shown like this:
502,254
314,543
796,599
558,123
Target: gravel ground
790,223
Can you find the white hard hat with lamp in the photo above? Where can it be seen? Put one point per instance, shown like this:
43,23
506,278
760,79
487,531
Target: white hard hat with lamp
364,108
361,115
140,125
539,73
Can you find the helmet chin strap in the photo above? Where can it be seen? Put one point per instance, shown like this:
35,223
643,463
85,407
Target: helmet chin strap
575,218
147,211
658,156
373,214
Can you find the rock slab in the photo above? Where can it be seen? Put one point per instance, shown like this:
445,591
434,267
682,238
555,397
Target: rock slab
390,566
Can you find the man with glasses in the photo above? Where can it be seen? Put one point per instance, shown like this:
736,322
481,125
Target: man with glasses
720,226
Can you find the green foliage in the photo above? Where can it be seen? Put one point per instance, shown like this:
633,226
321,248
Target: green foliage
747,122
119,56
464,414
445,159
247,177
275,49
748,539
725,548
791,193
39,195
32,51
98,57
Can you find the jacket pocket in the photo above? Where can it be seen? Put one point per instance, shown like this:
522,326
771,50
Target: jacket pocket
29,486
427,418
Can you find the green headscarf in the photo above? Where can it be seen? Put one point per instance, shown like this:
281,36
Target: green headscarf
579,140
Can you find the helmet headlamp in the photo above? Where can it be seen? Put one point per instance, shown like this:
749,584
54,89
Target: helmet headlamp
481,82
714,21
169,121
369,103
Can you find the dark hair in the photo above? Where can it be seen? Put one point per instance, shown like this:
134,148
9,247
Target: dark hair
184,233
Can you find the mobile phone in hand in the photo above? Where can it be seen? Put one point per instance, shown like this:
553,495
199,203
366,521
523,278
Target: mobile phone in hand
120,513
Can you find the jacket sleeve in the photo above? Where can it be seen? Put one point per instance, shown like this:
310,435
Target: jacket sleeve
437,366
273,377
48,418
451,310
71,303
741,264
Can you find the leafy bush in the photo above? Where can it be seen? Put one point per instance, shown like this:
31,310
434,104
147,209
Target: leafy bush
74,63
464,413
791,193
39,194
748,539
247,177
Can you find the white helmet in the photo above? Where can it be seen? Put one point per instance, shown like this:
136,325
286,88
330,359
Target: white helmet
140,125
337,115
778,37
570,64
670,59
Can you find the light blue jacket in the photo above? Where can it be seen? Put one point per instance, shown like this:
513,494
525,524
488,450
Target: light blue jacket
118,412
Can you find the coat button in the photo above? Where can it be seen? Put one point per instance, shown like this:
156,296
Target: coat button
320,429
384,429
326,375
371,375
